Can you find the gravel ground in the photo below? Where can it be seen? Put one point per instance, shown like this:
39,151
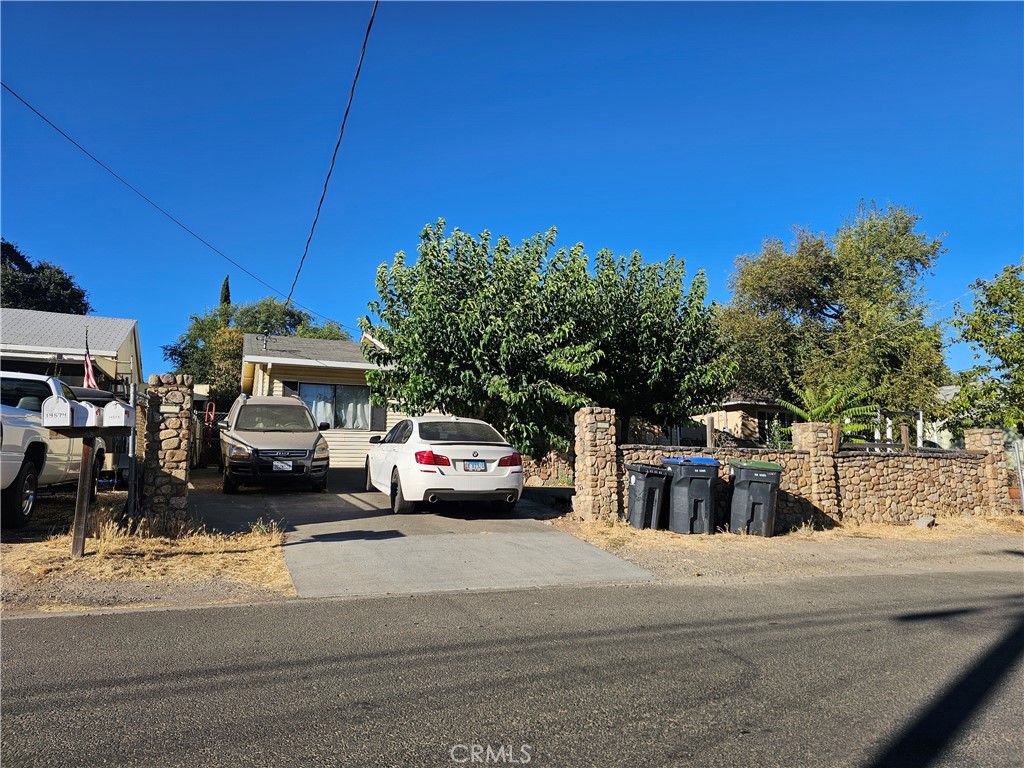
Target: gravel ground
953,544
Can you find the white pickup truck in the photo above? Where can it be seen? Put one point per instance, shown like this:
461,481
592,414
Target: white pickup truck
32,456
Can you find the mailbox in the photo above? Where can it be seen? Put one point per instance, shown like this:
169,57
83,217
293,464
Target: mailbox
88,415
59,412
117,414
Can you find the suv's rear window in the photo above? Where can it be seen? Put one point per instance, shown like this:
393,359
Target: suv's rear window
274,418
458,431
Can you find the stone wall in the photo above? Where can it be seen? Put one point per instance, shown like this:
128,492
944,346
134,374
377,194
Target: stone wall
167,406
597,479
553,469
819,485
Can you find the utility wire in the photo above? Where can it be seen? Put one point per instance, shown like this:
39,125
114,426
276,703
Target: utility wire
334,157
161,210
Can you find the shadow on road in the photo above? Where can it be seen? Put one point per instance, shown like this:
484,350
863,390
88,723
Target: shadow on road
924,740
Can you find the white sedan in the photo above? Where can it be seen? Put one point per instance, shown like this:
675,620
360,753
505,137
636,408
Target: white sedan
444,458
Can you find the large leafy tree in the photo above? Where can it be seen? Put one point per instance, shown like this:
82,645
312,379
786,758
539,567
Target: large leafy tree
992,392
496,331
523,335
839,309
43,286
662,357
210,349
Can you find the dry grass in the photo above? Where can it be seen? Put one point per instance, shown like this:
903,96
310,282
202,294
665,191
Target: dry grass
252,559
142,562
619,535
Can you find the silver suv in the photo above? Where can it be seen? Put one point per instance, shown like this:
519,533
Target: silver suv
272,441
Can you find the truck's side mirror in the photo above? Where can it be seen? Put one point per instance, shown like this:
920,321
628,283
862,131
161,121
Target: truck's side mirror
323,425
222,424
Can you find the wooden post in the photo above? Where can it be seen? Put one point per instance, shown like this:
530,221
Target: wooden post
905,437
837,437
82,501
710,438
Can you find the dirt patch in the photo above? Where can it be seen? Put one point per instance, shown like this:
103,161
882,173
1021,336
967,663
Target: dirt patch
128,570
953,544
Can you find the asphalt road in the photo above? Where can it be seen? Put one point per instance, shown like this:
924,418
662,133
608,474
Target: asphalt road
870,672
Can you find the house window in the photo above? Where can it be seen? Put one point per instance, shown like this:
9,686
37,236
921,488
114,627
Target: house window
764,421
342,406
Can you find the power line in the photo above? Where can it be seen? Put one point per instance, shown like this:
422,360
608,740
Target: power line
334,157
161,210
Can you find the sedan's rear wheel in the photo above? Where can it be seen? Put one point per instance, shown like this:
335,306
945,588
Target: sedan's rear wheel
399,504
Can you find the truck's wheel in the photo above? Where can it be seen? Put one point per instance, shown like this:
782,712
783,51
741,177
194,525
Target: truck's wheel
20,498
230,486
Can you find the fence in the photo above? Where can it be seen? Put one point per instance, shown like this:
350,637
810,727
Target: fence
820,483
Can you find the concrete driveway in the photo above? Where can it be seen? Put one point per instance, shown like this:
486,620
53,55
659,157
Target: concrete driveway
347,542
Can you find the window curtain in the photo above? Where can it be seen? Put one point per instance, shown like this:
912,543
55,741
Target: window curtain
319,398
354,406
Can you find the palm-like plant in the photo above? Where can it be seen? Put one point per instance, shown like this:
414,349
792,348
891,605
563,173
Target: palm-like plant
835,403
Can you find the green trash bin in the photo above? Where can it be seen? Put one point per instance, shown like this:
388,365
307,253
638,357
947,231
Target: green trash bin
755,489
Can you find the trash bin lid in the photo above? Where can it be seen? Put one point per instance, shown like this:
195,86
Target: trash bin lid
764,466
648,469
707,460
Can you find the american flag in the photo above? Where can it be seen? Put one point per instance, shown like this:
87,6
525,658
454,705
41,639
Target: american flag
89,380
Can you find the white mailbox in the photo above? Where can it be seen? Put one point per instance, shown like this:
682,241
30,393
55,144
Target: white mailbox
88,415
116,414
59,412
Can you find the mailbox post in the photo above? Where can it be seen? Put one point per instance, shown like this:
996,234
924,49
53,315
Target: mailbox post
74,419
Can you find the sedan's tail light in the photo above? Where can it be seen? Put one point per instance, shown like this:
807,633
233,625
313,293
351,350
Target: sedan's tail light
515,460
433,459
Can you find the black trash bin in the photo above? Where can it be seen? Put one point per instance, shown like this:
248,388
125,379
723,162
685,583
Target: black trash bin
646,495
755,488
691,505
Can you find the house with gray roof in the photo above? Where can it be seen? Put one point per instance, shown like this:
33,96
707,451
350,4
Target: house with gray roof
330,377
53,344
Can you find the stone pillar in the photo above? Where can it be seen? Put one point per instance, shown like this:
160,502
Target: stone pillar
995,473
167,438
597,468
817,439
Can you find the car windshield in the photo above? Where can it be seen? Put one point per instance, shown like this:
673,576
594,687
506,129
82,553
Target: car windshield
458,432
274,418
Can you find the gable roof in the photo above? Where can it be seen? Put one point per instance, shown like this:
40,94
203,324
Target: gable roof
293,350
29,330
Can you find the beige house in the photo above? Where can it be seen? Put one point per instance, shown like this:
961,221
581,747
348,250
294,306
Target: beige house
746,418
330,377
53,344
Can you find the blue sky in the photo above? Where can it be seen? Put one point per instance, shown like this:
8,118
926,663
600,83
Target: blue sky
695,129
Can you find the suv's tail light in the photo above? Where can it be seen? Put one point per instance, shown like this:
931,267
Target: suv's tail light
433,459
515,460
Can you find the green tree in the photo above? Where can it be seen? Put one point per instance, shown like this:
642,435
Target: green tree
210,349
840,309
992,392
492,331
662,356
523,335
43,286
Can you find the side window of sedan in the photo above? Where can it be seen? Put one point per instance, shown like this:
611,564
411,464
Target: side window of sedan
404,432
393,433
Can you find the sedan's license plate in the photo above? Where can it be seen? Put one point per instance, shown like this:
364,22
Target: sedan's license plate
475,466
282,466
